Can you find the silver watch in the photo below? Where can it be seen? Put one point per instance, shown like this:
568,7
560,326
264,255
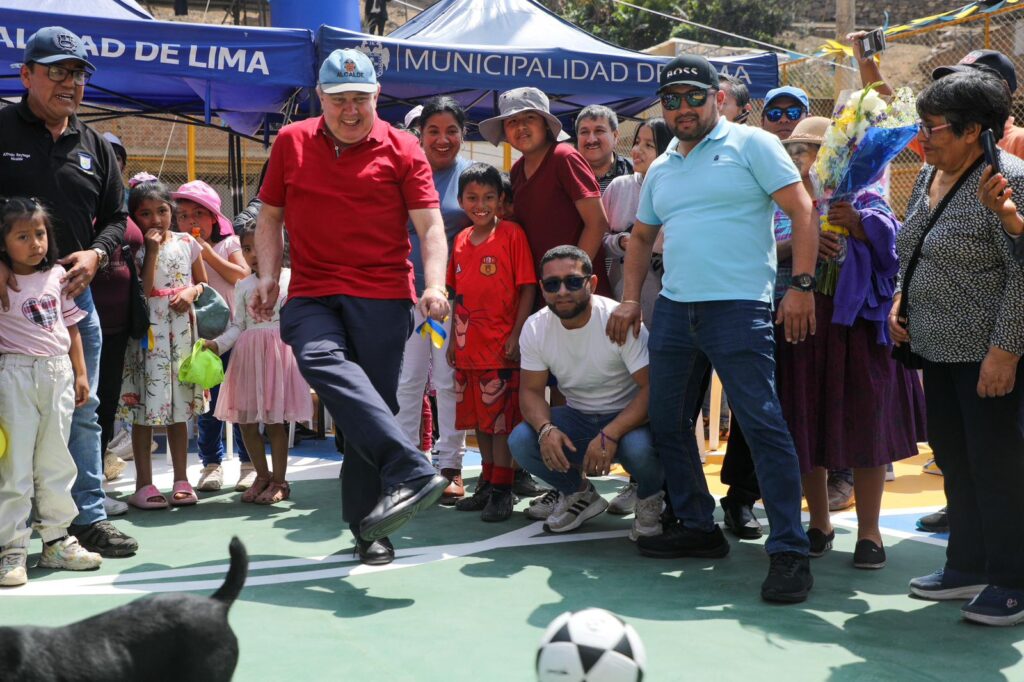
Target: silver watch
104,259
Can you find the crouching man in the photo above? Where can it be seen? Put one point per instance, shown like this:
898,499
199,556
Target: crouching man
606,391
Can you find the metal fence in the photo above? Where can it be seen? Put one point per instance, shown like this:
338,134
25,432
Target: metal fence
909,61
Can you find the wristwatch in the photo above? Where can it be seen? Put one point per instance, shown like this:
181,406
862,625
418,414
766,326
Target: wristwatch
104,259
803,282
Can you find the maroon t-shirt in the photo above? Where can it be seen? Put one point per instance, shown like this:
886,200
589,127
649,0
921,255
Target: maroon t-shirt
110,286
545,204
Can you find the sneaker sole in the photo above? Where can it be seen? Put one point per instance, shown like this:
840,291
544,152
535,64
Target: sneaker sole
868,566
788,597
711,553
69,567
426,498
16,581
620,511
595,508
950,594
997,621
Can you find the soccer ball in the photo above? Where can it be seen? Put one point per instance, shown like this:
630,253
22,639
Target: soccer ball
592,645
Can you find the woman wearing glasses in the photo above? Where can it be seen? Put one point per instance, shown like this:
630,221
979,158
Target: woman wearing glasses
963,317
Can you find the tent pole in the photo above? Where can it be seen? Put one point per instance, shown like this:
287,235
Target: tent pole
506,153
191,158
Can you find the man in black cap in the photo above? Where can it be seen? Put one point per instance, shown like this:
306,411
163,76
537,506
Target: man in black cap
719,310
48,153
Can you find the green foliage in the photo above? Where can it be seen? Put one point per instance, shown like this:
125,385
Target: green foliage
636,29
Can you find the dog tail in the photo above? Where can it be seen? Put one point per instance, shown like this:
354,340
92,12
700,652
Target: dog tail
235,579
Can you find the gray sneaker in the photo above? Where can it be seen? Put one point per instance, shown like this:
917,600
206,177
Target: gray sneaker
624,503
211,479
840,494
572,510
647,521
541,507
12,567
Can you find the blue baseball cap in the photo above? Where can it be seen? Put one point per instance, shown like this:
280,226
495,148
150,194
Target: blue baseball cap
55,44
787,91
347,71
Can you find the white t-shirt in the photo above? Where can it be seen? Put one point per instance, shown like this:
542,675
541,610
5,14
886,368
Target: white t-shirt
39,316
594,373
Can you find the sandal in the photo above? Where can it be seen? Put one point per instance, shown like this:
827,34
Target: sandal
253,491
148,497
183,488
274,493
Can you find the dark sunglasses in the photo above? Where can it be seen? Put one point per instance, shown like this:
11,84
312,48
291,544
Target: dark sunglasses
794,113
671,101
553,285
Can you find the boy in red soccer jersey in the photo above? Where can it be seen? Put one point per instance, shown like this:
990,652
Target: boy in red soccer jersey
491,274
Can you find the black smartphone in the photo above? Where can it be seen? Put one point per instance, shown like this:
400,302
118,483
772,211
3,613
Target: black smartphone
873,42
988,143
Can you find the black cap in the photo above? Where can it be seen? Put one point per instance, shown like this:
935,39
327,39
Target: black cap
992,60
689,69
55,44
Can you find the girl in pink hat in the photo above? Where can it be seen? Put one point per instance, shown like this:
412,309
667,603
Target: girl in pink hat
198,213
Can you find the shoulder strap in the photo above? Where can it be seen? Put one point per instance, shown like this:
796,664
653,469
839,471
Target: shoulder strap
934,218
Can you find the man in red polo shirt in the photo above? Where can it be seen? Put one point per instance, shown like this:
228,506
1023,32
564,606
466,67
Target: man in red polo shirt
346,184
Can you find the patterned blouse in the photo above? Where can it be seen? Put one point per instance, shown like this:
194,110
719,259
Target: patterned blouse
967,293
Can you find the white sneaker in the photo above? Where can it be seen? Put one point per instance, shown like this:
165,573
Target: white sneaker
572,510
625,501
212,478
647,522
541,507
246,477
12,567
120,446
114,507
69,555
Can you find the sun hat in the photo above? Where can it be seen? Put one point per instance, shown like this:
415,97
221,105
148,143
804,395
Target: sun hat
55,44
787,91
413,116
983,59
347,71
810,130
513,102
204,195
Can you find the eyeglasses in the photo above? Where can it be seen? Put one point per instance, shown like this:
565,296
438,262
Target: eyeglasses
775,114
671,101
59,73
930,130
553,285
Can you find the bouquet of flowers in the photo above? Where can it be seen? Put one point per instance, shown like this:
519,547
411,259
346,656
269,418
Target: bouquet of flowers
865,135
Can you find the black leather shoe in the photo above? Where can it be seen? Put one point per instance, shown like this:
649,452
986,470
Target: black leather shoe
678,541
375,553
400,503
740,520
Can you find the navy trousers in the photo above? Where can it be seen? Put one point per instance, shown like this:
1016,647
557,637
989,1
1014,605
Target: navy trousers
349,350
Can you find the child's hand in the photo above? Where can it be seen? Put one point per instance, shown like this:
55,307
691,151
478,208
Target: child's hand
153,239
450,355
211,345
81,390
511,348
181,301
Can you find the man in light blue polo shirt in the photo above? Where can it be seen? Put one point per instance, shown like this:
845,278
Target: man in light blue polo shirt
713,193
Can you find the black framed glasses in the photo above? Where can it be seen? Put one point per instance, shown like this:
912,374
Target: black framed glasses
553,285
671,101
929,130
58,74
775,114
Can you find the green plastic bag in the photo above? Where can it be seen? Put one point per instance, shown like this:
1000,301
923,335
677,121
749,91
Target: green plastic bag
203,368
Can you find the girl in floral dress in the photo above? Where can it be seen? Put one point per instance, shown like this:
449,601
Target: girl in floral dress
173,277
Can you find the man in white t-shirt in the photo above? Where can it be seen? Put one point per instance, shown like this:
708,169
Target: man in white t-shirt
606,393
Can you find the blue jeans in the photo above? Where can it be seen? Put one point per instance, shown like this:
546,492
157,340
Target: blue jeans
210,439
635,452
737,337
84,443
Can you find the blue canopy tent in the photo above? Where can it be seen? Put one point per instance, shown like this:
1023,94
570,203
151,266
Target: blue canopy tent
239,74
475,49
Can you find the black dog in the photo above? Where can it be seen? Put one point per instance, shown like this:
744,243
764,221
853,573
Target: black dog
160,637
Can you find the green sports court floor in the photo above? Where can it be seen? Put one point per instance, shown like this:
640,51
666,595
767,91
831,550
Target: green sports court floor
469,601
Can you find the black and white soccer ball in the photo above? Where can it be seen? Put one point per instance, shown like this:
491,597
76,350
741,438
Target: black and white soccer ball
592,645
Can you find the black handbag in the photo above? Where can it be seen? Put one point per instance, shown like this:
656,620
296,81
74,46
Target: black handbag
138,304
902,353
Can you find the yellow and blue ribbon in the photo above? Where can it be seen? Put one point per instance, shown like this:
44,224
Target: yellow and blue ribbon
434,331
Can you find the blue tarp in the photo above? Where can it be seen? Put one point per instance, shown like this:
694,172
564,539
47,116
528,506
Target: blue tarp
237,73
474,49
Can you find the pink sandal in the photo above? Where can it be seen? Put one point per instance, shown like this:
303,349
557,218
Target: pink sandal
183,488
275,492
257,487
145,498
